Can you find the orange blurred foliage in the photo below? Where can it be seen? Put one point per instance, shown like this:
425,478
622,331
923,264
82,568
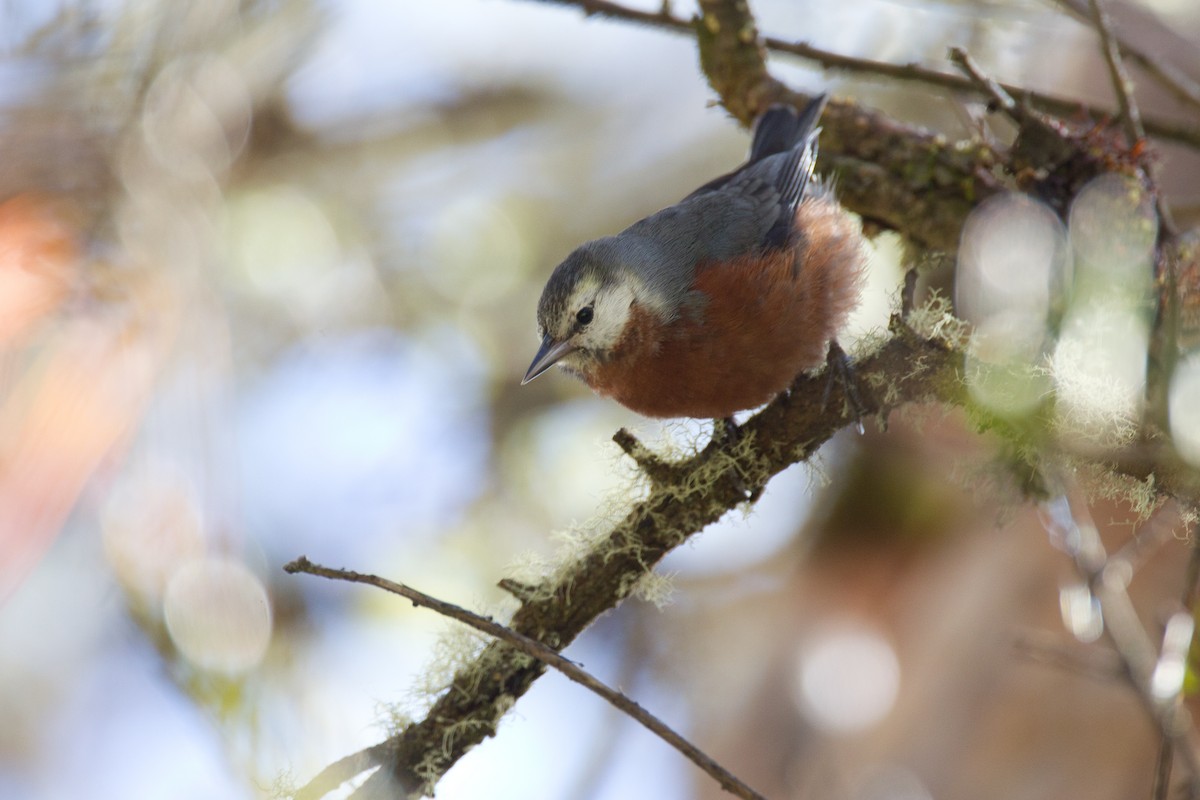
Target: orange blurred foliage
39,257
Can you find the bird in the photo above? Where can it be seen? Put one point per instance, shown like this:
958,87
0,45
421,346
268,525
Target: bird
716,304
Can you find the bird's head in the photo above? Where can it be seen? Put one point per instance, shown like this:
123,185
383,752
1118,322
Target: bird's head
585,308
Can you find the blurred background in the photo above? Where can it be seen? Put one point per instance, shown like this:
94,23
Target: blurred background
268,273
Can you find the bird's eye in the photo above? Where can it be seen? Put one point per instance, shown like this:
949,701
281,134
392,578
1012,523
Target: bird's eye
584,315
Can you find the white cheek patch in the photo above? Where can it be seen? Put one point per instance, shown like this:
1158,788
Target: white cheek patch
611,311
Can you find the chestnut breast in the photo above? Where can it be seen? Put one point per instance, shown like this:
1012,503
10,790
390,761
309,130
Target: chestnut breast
767,317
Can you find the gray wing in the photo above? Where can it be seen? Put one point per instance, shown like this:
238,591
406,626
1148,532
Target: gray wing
746,211
716,225
752,210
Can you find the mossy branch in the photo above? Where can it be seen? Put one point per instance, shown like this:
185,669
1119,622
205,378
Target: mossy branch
694,493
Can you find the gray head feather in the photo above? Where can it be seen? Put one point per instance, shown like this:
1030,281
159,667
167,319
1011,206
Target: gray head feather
591,262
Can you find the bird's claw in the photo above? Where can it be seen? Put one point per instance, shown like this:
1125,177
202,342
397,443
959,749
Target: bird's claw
726,431
841,370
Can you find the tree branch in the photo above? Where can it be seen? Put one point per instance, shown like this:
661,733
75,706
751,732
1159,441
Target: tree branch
1130,639
1131,117
1185,89
895,176
1166,747
701,490
545,655
915,73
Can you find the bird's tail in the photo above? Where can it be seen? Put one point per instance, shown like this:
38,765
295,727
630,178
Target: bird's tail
780,128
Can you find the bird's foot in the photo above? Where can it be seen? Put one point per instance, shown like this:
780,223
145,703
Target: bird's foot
840,370
726,431
727,434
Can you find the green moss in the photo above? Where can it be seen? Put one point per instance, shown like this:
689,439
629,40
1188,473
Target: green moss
1102,481
936,320
655,588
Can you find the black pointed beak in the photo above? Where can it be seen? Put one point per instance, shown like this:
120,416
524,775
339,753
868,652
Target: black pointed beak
547,356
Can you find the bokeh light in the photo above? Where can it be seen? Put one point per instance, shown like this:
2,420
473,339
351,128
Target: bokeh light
1011,272
1113,227
1011,258
847,679
152,526
1081,612
476,250
1004,364
218,615
1183,403
1099,363
1166,682
283,249
1099,369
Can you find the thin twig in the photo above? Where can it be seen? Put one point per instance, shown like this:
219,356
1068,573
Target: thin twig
1166,748
589,779
1130,639
1171,78
1188,134
1044,647
915,73
546,655
1191,578
340,771
987,84
1018,110
1162,769
1131,118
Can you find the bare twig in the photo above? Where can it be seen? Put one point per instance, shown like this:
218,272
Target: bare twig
1166,748
549,657
1169,77
1131,117
1054,143
987,84
1162,769
1130,639
663,18
340,771
590,778
1191,578
1163,129
914,73
1051,649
